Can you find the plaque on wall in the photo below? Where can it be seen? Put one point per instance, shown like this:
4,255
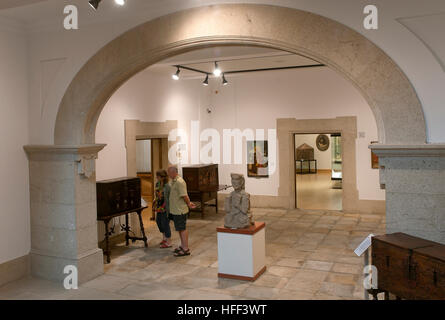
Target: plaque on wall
323,142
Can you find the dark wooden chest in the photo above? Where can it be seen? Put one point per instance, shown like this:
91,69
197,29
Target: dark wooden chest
202,184
118,195
428,270
202,178
409,267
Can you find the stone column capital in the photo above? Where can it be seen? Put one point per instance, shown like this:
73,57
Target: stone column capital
408,151
62,152
83,155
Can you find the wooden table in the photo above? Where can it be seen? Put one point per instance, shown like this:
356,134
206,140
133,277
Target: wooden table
205,195
106,220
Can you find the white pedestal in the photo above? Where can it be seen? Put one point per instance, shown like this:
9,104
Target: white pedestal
242,252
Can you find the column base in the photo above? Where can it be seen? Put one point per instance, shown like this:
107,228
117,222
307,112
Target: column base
89,266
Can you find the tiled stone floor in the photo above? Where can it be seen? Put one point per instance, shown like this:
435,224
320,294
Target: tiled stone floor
309,256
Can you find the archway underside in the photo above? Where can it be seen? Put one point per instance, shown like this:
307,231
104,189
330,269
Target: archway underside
389,93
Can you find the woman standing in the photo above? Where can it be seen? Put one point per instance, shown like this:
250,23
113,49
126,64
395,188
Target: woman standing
161,207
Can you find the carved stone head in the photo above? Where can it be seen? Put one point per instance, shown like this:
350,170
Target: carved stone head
237,181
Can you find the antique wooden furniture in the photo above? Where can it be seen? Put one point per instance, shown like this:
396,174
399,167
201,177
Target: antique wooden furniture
304,152
203,184
409,267
118,197
300,167
304,160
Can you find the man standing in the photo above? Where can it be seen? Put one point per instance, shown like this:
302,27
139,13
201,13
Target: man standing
179,208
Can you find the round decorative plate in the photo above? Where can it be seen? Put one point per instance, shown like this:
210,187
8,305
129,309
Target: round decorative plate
323,142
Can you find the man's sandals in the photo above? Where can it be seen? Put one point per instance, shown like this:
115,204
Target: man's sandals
180,252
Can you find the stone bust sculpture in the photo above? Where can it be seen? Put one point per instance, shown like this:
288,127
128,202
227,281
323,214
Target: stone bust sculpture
237,205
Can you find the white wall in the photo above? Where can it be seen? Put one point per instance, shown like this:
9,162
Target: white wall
253,101
324,158
14,186
147,98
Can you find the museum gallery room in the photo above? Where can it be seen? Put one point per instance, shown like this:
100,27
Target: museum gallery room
222,150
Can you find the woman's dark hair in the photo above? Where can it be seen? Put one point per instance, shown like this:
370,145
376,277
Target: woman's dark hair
163,175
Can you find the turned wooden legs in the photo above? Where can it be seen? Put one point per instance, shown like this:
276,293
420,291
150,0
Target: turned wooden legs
107,242
141,223
127,231
126,228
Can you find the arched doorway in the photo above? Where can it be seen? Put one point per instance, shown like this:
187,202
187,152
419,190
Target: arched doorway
66,170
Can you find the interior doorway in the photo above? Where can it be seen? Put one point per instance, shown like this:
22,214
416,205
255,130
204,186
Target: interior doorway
151,156
318,171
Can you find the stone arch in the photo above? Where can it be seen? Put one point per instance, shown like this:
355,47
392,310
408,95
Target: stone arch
389,93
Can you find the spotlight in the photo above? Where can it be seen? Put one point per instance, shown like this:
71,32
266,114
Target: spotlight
94,4
206,81
120,2
217,71
225,82
176,75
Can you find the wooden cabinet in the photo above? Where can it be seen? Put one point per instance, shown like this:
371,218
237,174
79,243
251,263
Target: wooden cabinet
201,177
202,184
118,195
409,267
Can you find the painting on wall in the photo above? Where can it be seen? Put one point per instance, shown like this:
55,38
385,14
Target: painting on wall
257,159
322,142
374,158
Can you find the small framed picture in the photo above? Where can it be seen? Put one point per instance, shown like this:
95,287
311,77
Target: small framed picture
257,159
374,158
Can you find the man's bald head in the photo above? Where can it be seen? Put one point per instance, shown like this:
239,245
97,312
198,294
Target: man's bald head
172,171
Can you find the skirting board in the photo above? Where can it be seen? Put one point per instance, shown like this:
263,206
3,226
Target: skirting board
371,206
258,201
15,269
243,278
279,202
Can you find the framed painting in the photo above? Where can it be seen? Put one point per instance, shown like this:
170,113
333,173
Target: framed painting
374,158
257,159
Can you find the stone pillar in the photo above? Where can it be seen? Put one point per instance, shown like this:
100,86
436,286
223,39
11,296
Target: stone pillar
414,179
63,211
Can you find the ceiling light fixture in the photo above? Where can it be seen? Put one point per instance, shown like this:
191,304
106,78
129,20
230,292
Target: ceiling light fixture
217,71
120,2
206,81
94,4
176,75
225,82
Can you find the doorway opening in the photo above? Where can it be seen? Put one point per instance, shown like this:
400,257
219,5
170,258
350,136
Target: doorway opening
318,171
151,156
